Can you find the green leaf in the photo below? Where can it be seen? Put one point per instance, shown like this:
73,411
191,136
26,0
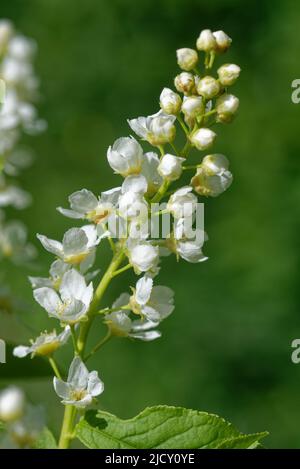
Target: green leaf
19,368
243,442
46,440
161,427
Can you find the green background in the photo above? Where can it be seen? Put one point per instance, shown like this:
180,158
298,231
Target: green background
226,349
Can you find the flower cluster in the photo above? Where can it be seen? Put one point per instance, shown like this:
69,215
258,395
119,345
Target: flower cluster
18,115
122,217
22,422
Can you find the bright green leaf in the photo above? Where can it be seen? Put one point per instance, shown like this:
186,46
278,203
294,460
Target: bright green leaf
46,440
160,427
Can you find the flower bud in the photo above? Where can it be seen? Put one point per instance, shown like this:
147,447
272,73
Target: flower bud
203,138
227,106
193,106
12,404
143,256
125,156
206,41
170,167
222,40
184,83
208,87
169,101
228,74
187,58
212,177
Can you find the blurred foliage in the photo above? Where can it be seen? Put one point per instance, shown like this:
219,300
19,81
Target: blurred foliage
227,348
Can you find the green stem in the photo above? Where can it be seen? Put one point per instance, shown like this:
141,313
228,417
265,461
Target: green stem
99,345
184,127
54,367
123,269
161,191
74,339
161,149
67,427
104,282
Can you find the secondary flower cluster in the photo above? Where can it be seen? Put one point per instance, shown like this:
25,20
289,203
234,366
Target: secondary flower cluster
17,116
22,422
121,216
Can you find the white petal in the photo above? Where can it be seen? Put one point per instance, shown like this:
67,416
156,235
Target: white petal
69,213
61,388
55,247
143,290
21,351
48,299
74,241
72,285
137,184
95,385
146,336
123,300
83,201
78,374
39,282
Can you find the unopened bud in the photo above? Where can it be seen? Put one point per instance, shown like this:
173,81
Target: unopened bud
228,74
170,167
12,403
227,106
208,87
206,41
185,83
169,101
193,106
223,41
212,177
187,59
203,138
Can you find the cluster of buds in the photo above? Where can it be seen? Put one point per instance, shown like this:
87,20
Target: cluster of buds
122,216
18,115
22,422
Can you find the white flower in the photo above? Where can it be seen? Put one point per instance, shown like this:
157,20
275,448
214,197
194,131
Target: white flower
185,83
78,244
85,205
143,256
190,250
169,101
223,41
206,41
23,432
132,203
153,303
228,74
73,301
212,177
57,269
182,203
12,404
203,138
121,325
158,129
149,171
45,344
187,58
208,87
193,106
170,167
14,196
14,244
81,386
125,156
227,106
21,48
